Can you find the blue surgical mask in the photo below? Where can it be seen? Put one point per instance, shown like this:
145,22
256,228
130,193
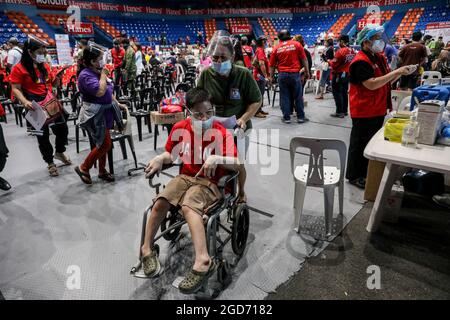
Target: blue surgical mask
205,125
222,68
378,46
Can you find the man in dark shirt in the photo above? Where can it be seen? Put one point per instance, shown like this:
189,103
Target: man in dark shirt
414,53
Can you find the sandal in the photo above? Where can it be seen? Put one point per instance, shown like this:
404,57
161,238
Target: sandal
52,170
242,198
195,280
85,177
108,177
151,264
63,158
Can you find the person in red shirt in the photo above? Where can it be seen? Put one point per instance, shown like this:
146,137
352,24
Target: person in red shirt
247,52
206,150
289,57
261,71
117,54
339,71
32,80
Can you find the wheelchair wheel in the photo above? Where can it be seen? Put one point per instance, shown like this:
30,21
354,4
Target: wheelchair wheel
168,221
241,223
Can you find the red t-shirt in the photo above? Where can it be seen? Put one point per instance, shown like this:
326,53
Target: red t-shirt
183,143
248,53
117,57
342,60
260,55
20,75
286,56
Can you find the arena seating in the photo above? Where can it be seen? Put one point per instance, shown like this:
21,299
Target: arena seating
210,27
105,26
408,23
311,26
27,26
231,22
340,24
53,19
9,29
432,14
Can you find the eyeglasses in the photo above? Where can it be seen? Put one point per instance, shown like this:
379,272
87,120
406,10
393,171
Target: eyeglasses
200,115
217,58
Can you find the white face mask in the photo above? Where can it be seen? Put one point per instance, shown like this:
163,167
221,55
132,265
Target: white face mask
378,46
200,126
40,58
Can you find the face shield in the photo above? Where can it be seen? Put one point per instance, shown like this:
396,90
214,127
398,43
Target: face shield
94,47
376,35
221,46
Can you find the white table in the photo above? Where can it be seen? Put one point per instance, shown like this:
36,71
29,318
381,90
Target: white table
433,158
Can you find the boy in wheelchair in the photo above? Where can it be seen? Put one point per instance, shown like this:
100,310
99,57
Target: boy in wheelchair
207,151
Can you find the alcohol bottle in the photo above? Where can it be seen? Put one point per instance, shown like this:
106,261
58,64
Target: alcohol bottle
411,133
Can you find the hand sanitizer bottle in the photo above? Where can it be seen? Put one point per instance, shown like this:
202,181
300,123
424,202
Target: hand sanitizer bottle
411,133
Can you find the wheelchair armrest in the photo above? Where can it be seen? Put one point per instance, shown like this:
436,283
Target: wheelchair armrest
164,167
222,183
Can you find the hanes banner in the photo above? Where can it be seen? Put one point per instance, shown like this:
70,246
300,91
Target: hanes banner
241,29
81,28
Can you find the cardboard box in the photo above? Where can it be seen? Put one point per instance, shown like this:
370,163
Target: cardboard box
429,118
374,174
166,118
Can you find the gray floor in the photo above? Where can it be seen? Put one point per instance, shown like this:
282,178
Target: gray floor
48,225
413,256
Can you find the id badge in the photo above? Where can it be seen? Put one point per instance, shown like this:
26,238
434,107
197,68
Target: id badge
235,94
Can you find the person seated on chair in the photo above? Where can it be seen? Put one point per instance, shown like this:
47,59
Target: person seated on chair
206,150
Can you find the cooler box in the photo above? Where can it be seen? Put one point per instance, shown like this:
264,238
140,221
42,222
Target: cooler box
423,93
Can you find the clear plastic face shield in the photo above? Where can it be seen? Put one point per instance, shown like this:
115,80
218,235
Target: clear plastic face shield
101,50
38,54
376,36
221,51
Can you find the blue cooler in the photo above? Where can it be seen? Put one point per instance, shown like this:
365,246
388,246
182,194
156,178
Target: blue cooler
441,92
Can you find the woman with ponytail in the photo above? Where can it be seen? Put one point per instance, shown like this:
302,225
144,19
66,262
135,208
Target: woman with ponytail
31,80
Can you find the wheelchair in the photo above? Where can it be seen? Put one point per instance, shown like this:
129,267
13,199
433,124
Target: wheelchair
237,215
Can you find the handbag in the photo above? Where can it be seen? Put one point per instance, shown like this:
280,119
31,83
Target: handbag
52,107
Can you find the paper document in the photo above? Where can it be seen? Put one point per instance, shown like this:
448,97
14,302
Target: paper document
37,116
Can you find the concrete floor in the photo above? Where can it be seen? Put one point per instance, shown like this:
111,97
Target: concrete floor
48,225
413,256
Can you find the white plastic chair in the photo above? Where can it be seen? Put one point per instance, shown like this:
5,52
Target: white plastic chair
180,73
430,77
315,174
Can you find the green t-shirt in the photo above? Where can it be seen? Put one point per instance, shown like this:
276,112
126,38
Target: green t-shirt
242,91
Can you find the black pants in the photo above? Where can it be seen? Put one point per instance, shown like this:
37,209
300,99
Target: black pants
61,132
3,150
262,89
410,81
362,131
340,93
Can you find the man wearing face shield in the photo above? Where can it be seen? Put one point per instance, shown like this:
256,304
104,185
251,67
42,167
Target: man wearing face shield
234,91
369,98
32,80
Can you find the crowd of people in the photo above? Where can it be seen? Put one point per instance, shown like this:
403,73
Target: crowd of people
233,76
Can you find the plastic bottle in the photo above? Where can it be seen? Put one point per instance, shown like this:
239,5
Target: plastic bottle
410,133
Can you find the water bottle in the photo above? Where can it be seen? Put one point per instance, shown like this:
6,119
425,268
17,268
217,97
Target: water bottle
411,133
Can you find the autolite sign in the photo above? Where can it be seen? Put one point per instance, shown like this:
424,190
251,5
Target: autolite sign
241,30
81,28
52,4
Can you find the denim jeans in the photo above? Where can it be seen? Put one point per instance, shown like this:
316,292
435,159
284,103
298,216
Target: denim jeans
340,93
291,86
262,89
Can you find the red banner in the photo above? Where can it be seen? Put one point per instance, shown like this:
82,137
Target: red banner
87,5
52,4
439,25
82,28
241,29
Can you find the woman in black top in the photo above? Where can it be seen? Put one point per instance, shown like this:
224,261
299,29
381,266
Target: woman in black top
327,55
